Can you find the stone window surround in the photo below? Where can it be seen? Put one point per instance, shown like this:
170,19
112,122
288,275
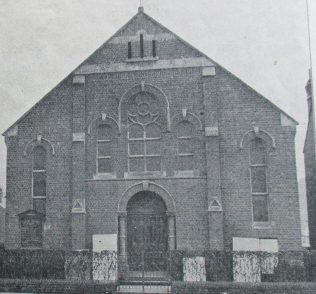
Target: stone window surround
29,149
103,119
270,144
186,116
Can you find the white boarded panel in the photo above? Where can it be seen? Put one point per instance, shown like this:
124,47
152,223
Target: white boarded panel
269,245
104,242
246,244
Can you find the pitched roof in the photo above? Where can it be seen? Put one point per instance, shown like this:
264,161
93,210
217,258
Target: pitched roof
149,18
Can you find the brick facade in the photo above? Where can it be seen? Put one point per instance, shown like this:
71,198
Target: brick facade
210,204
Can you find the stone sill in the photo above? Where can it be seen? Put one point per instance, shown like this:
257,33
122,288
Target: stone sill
78,211
186,173
138,59
104,176
261,226
30,248
142,175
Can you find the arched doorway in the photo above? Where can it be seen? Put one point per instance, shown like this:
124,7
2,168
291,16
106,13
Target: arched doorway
147,232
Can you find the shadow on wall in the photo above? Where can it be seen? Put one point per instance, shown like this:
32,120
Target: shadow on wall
2,216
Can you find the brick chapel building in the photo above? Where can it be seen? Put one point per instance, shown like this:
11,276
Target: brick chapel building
149,144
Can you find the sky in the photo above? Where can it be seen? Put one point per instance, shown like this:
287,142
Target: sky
263,42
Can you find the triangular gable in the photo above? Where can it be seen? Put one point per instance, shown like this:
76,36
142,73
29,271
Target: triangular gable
140,23
124,31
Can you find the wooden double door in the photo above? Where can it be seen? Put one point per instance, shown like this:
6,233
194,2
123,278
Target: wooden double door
147,233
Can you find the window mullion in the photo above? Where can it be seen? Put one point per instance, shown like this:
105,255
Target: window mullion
145,153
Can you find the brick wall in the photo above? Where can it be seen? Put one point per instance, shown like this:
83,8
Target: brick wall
190,199
51,119
239,108
168,46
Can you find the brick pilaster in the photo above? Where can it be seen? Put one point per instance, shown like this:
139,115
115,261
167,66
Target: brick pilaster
78,223
215,211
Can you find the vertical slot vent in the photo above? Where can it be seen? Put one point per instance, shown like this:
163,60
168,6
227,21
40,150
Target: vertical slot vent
141,37
129,50
154,48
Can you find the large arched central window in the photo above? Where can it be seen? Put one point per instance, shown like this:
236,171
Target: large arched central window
144,148
258,177
144,119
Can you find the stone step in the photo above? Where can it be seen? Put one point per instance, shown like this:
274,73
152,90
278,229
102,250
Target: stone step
152,289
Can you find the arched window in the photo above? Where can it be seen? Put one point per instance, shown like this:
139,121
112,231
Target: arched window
39,179
144,148
258,175
104,152
185,146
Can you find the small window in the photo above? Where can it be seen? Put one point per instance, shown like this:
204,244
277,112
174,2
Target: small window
258,179
105,149
185,143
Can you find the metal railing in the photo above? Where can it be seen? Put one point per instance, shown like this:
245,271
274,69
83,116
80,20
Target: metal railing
148,271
